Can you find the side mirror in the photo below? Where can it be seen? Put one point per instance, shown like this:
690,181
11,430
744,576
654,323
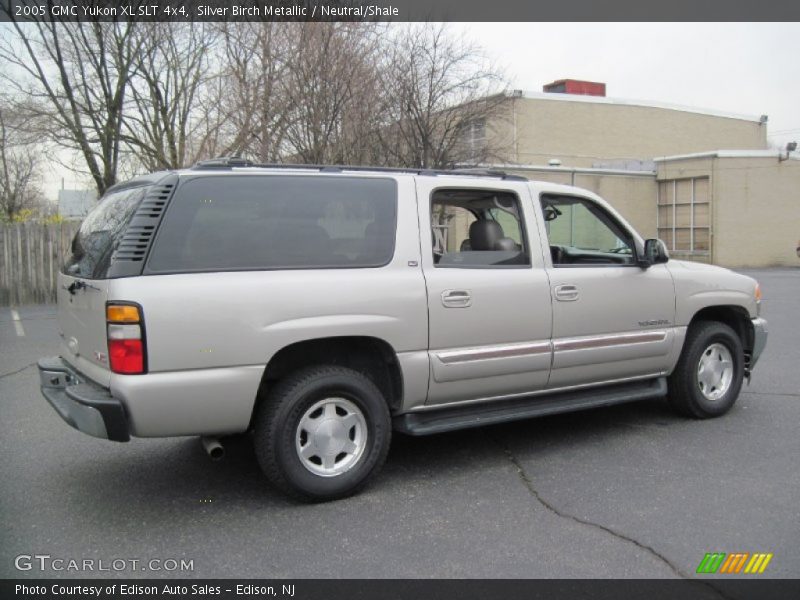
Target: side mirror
655,252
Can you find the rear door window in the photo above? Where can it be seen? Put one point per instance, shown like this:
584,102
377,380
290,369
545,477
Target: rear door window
475,228
101,232
257,222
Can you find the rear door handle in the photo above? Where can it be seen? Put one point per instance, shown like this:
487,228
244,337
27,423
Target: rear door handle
566,292
456,298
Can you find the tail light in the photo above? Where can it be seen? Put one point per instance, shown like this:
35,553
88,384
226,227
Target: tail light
125,332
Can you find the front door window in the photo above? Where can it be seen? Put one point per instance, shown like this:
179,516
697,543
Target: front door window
581,232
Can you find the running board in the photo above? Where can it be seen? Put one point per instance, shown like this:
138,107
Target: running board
502,411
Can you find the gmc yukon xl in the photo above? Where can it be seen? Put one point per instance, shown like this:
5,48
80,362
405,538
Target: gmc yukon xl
323,308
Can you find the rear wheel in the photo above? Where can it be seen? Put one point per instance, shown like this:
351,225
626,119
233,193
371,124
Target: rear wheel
708,378
322,433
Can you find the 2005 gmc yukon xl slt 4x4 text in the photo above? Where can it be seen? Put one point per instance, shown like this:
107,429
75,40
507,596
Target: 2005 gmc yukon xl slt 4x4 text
322,308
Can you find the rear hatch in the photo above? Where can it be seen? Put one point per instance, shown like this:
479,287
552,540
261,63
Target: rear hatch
83,283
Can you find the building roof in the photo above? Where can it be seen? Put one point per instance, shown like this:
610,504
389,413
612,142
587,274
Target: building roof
731,154
577,170
629,102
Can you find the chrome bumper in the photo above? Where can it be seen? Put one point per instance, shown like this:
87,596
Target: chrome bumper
759,339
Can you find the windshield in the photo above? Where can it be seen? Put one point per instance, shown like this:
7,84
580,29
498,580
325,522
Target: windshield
100,233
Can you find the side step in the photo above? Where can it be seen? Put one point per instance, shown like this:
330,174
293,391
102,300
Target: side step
502,411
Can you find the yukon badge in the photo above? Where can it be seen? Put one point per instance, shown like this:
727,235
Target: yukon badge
654,323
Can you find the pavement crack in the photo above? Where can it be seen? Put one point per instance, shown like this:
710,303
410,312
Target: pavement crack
20,370
528,483
526,480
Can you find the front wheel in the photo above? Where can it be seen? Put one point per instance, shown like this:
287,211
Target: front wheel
708,378
322,433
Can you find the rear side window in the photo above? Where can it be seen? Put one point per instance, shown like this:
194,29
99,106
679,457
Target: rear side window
101,232
277,222
475,229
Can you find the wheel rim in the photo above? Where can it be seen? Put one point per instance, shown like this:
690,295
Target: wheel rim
715,371
331,437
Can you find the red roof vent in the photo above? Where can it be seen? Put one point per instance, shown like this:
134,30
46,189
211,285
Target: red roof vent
575,86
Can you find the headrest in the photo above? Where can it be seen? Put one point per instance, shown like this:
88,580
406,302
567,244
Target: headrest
484,234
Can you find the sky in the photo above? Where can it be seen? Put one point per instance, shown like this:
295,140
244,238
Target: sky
743,68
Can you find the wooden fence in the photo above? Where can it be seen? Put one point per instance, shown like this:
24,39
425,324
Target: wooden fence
31,255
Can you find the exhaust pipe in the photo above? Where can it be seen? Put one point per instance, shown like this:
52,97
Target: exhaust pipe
213,448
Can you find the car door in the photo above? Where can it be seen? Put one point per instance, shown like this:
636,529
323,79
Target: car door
612,319
488,296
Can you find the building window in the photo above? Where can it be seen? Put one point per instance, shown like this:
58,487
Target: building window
684,215
474,140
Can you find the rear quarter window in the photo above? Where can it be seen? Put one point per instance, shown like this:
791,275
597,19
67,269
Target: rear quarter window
101,232
256,222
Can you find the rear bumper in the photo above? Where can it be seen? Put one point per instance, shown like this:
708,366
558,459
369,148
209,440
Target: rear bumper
759,339
83,404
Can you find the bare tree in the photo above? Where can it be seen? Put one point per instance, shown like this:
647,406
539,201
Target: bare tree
445,96
368,110
328,87
126,95
254,108
74,78
295,92
163,126
19,168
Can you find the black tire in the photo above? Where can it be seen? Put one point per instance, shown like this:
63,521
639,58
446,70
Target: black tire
279,416
685,393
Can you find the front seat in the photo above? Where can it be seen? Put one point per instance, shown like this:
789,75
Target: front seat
506,244
489,235
484,235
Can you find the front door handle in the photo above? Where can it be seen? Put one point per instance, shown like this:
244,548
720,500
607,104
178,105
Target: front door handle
566,292
456,298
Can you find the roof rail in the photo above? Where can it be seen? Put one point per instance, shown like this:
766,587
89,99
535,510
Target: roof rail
488,173
223,162
230,162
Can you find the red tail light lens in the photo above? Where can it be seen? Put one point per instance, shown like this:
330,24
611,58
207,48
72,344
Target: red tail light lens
125,333
126,356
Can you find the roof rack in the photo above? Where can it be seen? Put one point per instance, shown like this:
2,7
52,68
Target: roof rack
230,162
487,173
223,162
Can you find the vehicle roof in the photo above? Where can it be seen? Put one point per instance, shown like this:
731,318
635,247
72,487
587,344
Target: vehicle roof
236,166
140,180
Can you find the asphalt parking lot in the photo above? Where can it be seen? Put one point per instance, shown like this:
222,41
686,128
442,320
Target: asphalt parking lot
628,491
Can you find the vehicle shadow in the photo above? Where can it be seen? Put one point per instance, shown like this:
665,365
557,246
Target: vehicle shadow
540,436
151,475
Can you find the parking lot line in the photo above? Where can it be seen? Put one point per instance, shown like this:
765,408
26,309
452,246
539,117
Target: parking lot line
17,323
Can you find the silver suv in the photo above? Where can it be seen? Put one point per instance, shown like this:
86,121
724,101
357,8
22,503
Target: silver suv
321,308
